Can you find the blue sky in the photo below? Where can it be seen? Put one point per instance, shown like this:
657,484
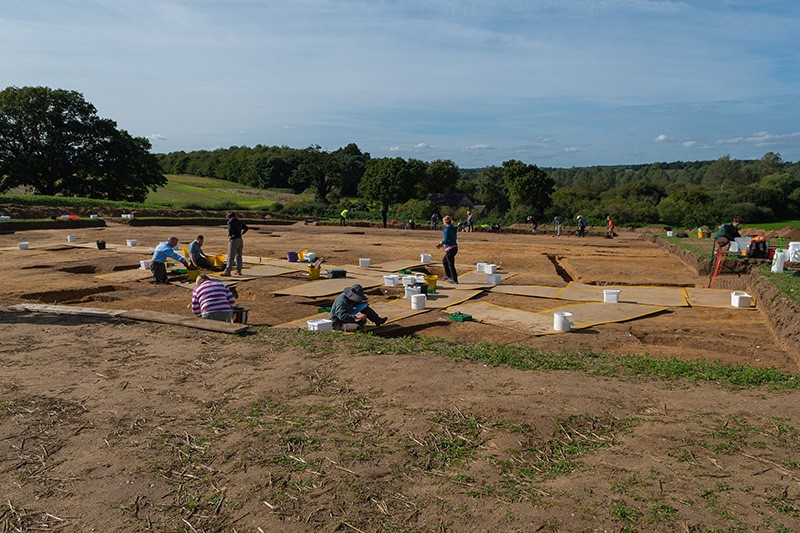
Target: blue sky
550,82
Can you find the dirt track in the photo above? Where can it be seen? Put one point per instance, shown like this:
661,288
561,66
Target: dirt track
116,425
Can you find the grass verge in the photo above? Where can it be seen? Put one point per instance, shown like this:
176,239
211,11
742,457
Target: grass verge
636,366
786,283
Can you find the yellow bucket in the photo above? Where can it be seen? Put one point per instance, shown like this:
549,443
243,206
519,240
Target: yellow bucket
313,273
431,281
699,234
193,273
217,260
301,255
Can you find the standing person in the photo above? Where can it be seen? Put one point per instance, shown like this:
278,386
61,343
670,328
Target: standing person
163,252
343,217
728,232
534,223
212,299
470,221
236,228
350,311
434,221
450,245
196,255
610,227
384,215
581,226
557,224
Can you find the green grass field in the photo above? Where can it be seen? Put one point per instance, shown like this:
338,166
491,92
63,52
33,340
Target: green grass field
196,192
775,225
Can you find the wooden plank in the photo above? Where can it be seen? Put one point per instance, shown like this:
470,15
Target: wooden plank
596,313
133,274
702,297
442,299
177,320
505,317
328,287
646,295
535,291
67,310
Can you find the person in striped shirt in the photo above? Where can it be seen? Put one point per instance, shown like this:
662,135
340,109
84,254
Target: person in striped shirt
212,299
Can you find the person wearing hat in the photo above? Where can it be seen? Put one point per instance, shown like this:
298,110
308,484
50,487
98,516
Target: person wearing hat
350,311
581,226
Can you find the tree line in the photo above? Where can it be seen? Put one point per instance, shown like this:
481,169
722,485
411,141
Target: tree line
53,142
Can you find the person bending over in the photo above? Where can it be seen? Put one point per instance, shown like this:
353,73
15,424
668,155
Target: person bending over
164,251
197,256
728,232
350,311
212,299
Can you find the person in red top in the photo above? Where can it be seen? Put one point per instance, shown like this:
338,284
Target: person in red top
212,299
610,228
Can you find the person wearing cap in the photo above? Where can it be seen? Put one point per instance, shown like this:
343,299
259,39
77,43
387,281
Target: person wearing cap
728,232
162,252
350,311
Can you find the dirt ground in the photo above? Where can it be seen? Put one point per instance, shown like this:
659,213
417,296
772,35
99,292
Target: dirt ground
113,425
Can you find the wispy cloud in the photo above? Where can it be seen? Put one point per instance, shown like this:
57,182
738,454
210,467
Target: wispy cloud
155,137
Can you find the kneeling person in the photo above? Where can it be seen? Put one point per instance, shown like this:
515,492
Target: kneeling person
351,310
164,251
198,256
212,299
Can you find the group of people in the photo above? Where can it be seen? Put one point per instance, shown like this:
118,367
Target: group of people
210,298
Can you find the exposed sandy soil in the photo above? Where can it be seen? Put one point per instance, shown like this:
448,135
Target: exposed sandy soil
122,426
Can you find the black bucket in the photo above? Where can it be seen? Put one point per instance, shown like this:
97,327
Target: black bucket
423,287
239,315
101,245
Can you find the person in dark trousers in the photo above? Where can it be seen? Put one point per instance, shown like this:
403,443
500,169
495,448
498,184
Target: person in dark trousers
581,226
236,228
350,311
197,256
450,245
164,251
728,232
470,221
434,221
343,217
384,215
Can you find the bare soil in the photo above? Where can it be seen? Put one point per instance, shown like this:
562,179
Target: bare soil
117,425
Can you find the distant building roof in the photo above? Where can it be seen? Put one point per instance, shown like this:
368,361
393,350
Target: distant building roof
450,200
480,209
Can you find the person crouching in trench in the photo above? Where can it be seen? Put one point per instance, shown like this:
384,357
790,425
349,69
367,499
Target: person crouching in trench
350,311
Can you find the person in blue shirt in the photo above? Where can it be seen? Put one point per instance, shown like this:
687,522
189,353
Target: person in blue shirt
450,249
164,251
197,256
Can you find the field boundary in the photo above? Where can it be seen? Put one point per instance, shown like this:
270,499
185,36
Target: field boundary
13,226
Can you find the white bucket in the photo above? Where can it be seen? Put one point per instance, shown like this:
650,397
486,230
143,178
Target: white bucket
320,324
794,252
131,242
669,234
611,296
777,262
93,217
72,238
145,265
418,301
480,267
419,278
23,246
310,256
493,279
391,280
412,290
562,321
363,262
409,280
424,258
740,299
490,269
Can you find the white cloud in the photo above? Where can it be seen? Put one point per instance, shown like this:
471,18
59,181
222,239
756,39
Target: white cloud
662,138
481,147
154,137
688,144
763,138
571,149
